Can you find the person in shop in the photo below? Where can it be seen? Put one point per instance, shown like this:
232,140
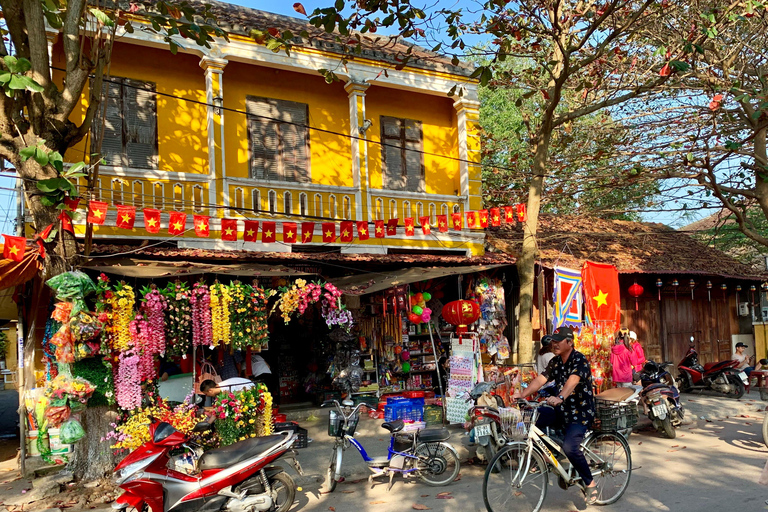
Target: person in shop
211,389
542,361
574,407
231,364
636,356
746,363
168,369
261,372
621,360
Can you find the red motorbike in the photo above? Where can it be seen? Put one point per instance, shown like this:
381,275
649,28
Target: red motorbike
721,377
235,478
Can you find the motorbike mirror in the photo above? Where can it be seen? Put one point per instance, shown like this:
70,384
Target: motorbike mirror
203,426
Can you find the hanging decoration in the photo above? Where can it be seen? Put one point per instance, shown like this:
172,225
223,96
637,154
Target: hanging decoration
461,313
259,298
153,308
601,291
636,291
692,284
752,289
567,298
241,314
202,328
659,284
738,289
709,290
178,325
220,301
675,284
724,287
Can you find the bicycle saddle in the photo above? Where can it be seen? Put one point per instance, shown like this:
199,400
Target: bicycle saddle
393,426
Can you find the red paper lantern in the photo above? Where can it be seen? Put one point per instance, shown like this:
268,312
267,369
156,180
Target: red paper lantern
461,313
635,290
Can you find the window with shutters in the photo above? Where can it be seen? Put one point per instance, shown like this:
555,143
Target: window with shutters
130,125
278,139
402,154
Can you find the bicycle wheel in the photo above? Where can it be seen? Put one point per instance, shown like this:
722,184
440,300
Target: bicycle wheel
507,486
438,463
611,463
765,428
330,475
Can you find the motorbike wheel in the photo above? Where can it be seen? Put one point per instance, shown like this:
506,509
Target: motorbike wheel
283,491
666,426
740,389
765,428
682,385
438,463
330,475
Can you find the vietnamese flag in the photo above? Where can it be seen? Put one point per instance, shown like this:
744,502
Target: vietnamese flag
202,225
509,214
229,230
329,232
250,230
456,220
177,224
483,218
268,232
601,295
14,247
126,216
378,229
97,212
362,230
347,231
522,214
392,227
408,226
425,227
472,220
307,232
290,232
152,220
442,223
495,217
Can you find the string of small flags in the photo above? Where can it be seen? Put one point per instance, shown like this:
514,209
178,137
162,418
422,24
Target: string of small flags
291,232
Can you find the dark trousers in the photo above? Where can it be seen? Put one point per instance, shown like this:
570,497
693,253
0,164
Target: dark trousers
574,435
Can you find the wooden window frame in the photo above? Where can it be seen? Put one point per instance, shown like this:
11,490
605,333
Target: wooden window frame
401,143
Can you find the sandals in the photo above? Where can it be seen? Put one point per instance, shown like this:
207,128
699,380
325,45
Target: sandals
590,495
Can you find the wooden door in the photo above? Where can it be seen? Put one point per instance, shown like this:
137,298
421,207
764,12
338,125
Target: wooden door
678,326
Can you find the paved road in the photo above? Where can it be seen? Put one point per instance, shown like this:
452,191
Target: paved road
9,404
714,467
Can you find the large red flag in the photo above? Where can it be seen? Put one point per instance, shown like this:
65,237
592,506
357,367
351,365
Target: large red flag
250,230
408,226
97,212
126,216
152,220
378,227
14,247
362,230
229,230
601,295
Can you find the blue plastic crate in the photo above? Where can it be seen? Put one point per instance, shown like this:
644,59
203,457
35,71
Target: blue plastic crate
390,413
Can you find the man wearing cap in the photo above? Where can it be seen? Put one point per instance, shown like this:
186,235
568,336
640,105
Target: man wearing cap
746,363
574,406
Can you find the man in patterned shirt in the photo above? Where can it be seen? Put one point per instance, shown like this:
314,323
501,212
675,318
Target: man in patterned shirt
574,404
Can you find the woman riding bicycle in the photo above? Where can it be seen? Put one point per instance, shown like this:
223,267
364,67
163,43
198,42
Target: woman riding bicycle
574,407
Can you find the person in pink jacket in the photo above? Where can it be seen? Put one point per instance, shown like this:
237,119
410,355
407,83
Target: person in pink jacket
621,361
636,353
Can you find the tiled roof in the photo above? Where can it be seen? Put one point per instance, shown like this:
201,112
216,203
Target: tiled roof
633,247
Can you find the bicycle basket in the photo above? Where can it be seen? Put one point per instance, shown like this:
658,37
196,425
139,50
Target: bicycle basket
515,423
613,416
336,424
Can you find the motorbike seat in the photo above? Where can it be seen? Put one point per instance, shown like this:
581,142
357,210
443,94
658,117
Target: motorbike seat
709,366
434,435
393,426
228,455
651,387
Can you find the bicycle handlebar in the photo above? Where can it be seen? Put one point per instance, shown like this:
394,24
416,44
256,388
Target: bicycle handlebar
340,408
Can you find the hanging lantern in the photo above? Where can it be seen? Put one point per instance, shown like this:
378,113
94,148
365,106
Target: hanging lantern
692,284
764,286
461,313
635,290
659,284
738,289
752,289
709,290
675,284
724,287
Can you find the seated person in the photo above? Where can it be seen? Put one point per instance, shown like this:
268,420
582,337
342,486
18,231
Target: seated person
746,363
168,369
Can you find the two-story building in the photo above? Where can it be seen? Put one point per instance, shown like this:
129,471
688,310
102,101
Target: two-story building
240,131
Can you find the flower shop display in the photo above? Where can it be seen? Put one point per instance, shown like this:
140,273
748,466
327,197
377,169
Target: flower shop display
241,315
134,431
259,298
243,414
300,295
220,324
178,325
202,329
153,307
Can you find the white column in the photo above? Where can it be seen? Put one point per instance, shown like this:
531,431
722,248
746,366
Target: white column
356,94
463,106
214,75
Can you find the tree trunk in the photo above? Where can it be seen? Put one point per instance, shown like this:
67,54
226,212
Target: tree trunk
93,458
526,264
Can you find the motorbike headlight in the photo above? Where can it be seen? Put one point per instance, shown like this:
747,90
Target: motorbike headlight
130,470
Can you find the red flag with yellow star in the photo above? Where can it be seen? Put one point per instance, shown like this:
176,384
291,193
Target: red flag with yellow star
483,218
425,226
495,217
472,220
14,247
601,295
177,223
152,220
229,230
126,216
362,230
347,231
97,212
392,227
329,232
290,232
379,229
442,223
250,230
307,232
408,226
268,232
202,225
456,221
509,214
522,213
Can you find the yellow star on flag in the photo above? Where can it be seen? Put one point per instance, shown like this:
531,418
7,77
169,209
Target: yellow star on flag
345,233
426,226
228,231
456,224
601,298
289,234
268,234
152,222
363,231
201,225
126,218
249,232
409,229
98,213
13,250
378,229
177,226
307,237
328,234
442,224
496,219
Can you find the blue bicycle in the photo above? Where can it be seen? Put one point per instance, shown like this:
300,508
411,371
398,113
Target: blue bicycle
423,453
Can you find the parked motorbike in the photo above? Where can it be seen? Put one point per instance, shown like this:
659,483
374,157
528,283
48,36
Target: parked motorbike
485,421
722,377
660,398
235,478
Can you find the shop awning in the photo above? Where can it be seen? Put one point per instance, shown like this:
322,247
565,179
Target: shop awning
378,281
148,269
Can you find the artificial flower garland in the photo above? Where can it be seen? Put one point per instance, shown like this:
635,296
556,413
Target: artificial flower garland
300,295
259,298
127,383
153,306
178,325
141,345
134,432
241,315
220,301
122,302
202,329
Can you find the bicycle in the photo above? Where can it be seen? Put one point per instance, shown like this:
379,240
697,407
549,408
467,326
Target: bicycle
517,477
422,453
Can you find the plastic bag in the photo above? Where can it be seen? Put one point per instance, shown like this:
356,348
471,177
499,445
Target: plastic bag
85,326
62,311
73,287
56,415
65,345
71,432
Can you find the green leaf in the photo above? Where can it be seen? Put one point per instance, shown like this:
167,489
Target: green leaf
5,78
50,185
679,65
41,156
11,63
21,82
339,5
48,201
75,169
128,27
27,153
733,146
102,17
53,19
52,235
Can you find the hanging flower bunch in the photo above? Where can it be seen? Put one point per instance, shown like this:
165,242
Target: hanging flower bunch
134,432
252,406
241,315
140,333
127,383
340,316
122,302
220,301
153,306
267,422
178,321
301,295
294,298
104,309
202,328
259,298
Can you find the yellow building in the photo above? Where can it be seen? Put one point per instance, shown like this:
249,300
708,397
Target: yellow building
239,131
